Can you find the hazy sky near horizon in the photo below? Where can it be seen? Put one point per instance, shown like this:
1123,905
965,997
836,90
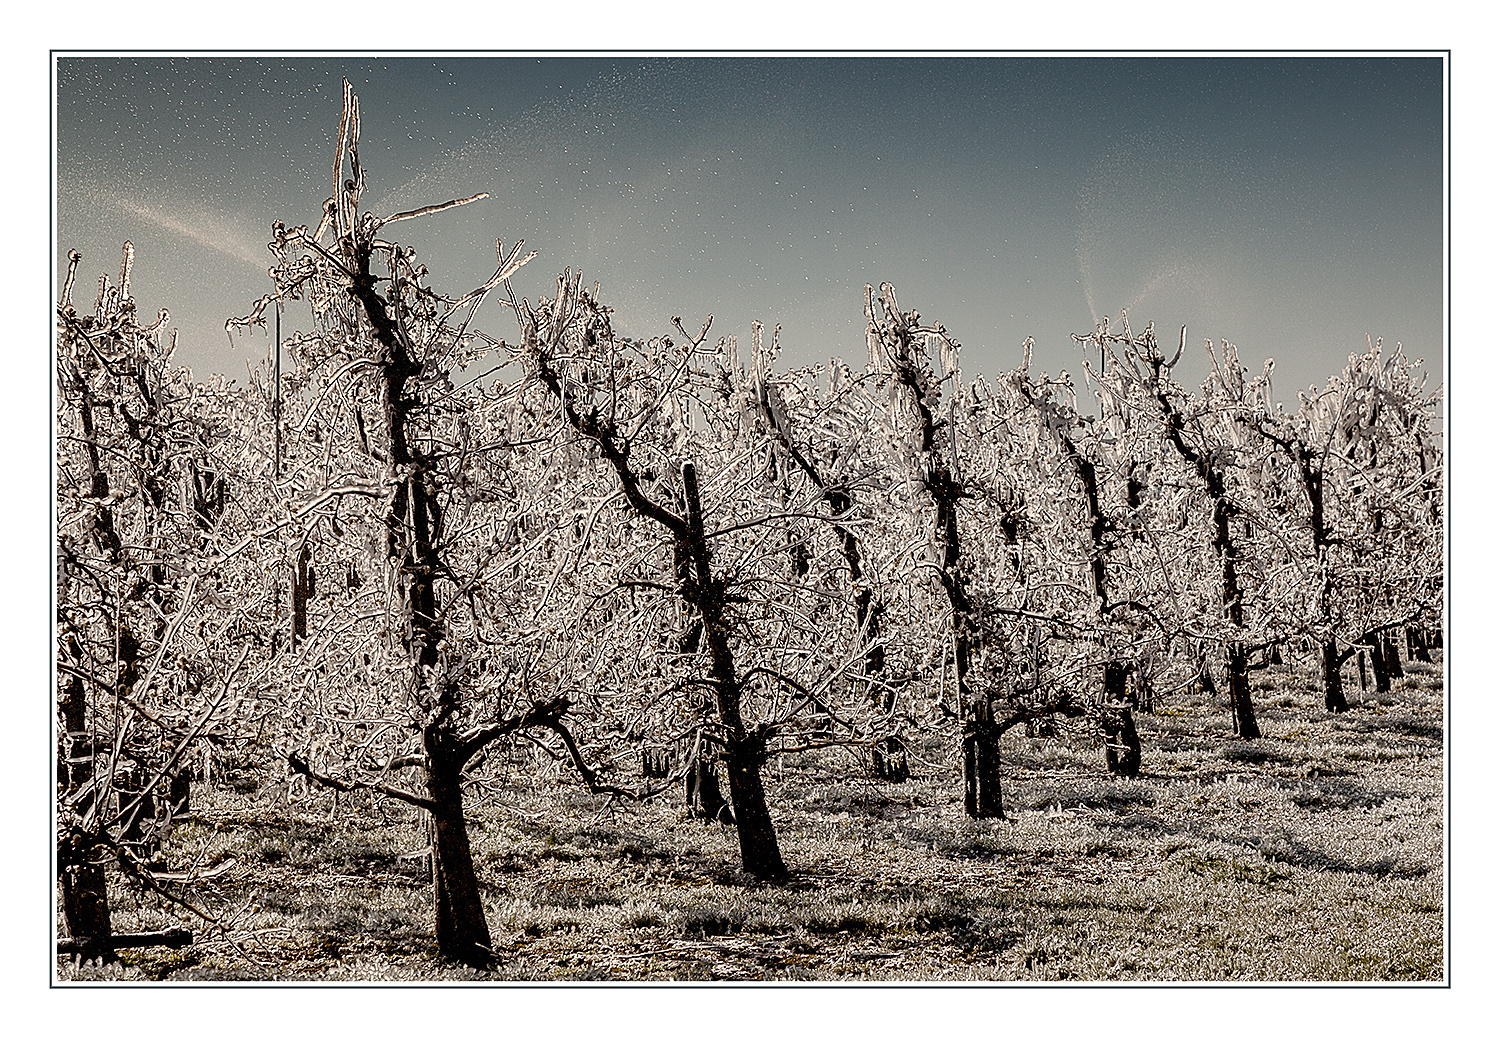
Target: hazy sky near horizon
1290,204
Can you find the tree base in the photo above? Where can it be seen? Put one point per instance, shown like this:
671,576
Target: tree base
888,760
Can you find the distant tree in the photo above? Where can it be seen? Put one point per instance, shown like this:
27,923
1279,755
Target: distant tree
988,621
898,343
807,440
1203,432
1362,452
613,396
1092,451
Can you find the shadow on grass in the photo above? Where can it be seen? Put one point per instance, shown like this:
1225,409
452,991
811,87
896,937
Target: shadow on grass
1370,723
1288,851
874,803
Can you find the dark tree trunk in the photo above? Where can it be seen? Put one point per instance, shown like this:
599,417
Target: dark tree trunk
1419,645
888,759
73,707
656,762
85,901
1245,725
72,768
982,795
180,793
1393,658
704,799
462,932
142,814
1382,673
1122,744
745,752
137,807
75,761
1378,666
1364,683
301,592
1145,698
759,851
887,756
1333,679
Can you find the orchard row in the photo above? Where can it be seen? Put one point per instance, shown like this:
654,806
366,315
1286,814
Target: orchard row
412,540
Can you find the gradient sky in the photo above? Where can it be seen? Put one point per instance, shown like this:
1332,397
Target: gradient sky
1290,204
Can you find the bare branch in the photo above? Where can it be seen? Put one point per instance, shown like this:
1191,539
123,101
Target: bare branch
427,210
300,767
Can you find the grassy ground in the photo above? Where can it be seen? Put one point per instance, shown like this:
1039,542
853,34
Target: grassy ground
1313,854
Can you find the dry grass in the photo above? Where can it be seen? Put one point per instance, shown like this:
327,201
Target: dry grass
1313,854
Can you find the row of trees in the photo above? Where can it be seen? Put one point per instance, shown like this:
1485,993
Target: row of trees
663,557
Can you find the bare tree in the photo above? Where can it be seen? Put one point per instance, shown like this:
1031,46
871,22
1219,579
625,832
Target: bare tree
549,334
1114,614
899,340
398,475
147,664
768,396
1362,453
1193,428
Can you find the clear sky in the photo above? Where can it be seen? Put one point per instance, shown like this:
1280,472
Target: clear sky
1291,204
